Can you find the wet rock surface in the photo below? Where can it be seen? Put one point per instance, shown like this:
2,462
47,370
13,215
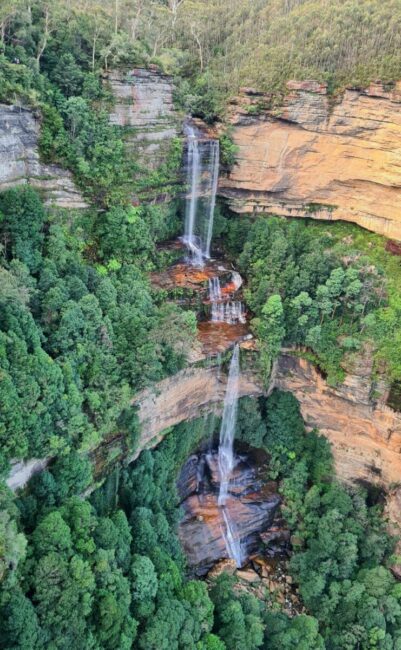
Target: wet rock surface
214,291
252,505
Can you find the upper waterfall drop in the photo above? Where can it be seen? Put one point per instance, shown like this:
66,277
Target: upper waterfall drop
203,159
214,179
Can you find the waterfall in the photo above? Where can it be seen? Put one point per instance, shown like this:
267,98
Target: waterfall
233,545
228,312
214,176
227,430
226,459
193,177
231,311
214,290
202,178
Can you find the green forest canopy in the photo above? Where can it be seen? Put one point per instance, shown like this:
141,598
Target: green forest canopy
81,331
212,46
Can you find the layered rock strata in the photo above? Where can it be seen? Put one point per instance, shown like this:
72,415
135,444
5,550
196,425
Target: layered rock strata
251,508
20,162
189,394
317,158
365,436
144,107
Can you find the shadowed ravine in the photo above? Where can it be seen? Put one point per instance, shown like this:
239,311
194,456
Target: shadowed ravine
226,501
250,508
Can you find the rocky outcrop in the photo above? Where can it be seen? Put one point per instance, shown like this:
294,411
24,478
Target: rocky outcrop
365,436
317,158
144,107
190,394
20,161
22,471
250,508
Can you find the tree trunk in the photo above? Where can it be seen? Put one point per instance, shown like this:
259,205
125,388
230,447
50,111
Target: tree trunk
94,49
45,38
199,44
116,6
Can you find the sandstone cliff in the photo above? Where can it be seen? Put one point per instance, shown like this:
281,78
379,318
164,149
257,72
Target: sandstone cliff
317,158
190,394
20,163
365,436
144,107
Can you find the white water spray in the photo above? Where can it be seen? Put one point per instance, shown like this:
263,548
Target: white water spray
193,176
233,545
226,458
214,289
202,177
227,430
228,312
223,311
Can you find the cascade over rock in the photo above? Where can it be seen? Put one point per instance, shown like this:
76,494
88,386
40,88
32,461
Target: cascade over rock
365,436
203,528
226,502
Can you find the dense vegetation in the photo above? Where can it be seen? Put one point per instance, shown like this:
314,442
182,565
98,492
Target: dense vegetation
81,331
331,290
79,339
210,50
109,572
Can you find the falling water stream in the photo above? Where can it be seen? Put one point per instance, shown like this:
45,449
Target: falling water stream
226,457
202,177
223,310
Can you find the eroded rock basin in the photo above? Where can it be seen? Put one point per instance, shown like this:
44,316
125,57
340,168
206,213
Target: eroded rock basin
252,505
214,291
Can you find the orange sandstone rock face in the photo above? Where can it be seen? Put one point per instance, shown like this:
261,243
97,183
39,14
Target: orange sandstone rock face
188,395
365,437
313,159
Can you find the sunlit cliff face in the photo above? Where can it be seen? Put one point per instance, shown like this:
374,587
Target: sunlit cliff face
319,159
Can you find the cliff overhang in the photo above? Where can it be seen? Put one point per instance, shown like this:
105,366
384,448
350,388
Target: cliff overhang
317,157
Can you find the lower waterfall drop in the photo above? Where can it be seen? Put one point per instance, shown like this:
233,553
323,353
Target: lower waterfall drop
226,457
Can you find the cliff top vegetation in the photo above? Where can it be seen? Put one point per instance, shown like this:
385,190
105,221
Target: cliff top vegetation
213,49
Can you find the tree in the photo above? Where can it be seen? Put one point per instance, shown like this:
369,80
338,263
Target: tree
271,330
52,535
63,593
301,632
237,623
68,75
19,623
115,627
21,223
144,585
